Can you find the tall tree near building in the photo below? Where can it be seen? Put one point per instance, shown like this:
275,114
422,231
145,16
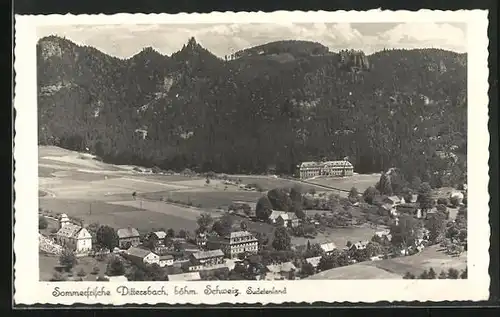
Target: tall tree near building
281,239
107,237
424,197
263,208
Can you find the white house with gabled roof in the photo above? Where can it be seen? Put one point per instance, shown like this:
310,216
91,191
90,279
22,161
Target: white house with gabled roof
73,237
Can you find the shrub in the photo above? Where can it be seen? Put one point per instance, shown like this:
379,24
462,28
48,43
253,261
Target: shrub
42,223
81,272
443,201
57,277
95,270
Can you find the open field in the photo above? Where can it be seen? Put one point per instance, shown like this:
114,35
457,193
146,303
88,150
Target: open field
354,272
416,264
119,216
269,182
339,236
49,264
210,200
397,267
360,181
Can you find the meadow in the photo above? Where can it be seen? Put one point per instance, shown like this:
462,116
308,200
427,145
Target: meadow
360,181
396,268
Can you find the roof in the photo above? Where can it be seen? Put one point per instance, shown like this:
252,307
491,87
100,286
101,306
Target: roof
394,198
283,267
360,244
275,214
138,252
208,254
191,276
328,247
387,207
239,234
341,163
160,234
314,261
164,257
70,230
288,216
127,233
120,278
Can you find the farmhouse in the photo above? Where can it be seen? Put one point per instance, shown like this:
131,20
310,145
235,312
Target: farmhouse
234,243
388,209
165,260
329,168
280,271
314,261
205,259
141,255
128,237
393,200
191,276
328,247
287,219
361,245
158,236
274,216
73,236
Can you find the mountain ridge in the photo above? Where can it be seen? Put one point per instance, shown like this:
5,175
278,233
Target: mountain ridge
242,115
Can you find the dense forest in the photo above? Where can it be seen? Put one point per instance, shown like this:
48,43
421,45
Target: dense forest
256,110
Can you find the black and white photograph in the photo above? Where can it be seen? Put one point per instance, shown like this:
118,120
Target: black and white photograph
268,153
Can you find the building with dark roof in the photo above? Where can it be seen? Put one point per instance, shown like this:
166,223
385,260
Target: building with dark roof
128,237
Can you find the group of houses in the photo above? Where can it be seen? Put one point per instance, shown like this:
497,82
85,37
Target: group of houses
342,168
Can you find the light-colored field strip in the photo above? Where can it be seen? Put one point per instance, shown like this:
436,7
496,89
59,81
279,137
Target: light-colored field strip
173,185
161,207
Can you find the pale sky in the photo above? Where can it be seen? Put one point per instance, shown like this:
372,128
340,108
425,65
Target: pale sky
128,39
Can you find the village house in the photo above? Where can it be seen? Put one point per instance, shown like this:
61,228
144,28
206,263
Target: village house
141,255
388,209
184,277
73,237
205,259
393,200
314,261
234,244
282,271
159,236
288,220
274,216
328,247
128,237
361,245
414,199
384,234
329,168
166,260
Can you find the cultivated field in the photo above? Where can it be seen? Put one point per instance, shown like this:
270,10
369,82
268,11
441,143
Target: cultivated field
339,236
83,187
360,181
395,268
206,199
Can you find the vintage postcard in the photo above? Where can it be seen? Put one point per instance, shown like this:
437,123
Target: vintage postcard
251,157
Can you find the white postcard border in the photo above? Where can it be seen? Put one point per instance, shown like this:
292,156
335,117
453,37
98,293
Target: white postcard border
28,288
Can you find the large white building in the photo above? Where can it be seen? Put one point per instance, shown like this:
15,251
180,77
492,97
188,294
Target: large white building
328,168
234,243
73,236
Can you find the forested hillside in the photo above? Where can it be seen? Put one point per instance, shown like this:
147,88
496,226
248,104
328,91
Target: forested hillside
243,114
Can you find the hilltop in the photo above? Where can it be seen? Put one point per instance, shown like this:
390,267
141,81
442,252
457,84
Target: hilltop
271,105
